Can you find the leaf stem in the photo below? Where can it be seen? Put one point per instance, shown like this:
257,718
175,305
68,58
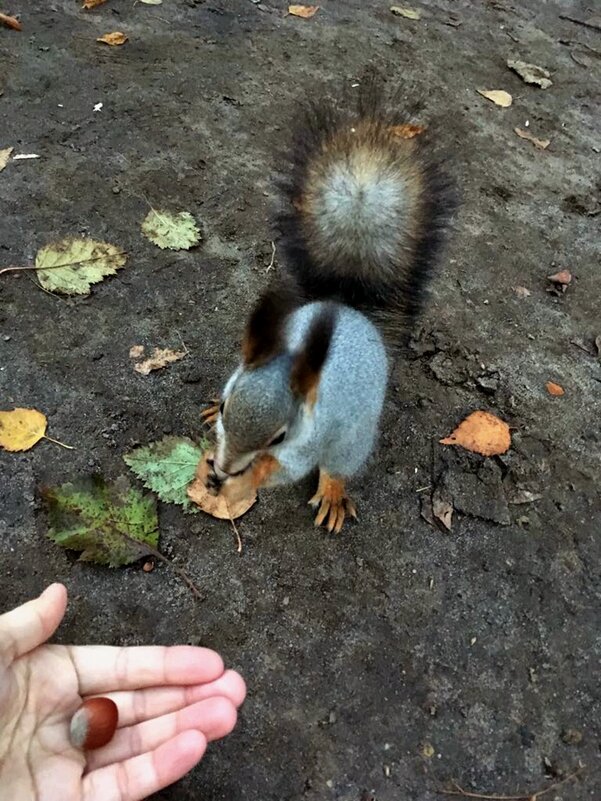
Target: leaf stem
13,269
58,442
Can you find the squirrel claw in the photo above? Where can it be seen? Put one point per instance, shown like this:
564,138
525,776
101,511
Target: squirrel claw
210,414
334,505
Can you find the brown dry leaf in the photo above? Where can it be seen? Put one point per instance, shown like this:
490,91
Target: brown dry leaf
87,4
136,351
442,509
554,389
563,277
481,432
20,429
498,96
306,12
522,291
408,13
160,357
113,39
5,156
216,505
407,131
542,144
11,22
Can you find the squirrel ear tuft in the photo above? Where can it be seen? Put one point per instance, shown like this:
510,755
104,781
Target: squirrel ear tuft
264,335
308,362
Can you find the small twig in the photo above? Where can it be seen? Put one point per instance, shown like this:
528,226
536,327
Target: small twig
459,791
236,532
181,339
57,442
423,489
30,267
579,21
271,263
162,558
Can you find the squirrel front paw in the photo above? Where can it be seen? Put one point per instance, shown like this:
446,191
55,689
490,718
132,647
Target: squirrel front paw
332,502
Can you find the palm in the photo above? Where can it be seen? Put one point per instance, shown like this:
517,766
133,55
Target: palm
171,701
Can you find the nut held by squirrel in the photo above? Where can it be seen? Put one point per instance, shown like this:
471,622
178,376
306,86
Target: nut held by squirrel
94,723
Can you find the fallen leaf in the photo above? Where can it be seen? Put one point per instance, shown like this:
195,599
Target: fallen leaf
531,73
10,22
168,230
5,157
151,2
72,265
555,389
481,432
442,508
216,505
159,358
21,429
408,13
407,131
306,12
167,467
136,351
522,292
427,750
498,96
563,277
524,496
542,144
113,39
88,4
112,524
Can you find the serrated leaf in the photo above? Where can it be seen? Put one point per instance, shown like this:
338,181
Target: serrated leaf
167,467
169,230
73,264
112,524
21,429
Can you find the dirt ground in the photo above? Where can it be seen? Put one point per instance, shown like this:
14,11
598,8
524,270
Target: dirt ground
398,656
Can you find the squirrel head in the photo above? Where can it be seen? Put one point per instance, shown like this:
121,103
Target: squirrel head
270,390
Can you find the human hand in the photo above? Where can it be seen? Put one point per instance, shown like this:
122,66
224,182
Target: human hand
171,702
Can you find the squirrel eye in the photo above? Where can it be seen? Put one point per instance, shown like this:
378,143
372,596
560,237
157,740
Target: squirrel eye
277,440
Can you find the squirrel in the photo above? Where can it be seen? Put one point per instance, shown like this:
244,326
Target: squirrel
363,214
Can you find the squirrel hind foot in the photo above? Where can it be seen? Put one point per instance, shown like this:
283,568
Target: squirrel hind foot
332,503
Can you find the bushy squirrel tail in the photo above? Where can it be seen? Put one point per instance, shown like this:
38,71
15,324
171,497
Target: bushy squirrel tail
364,209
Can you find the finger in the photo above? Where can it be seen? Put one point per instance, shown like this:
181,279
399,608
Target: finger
340,519
323,512
214,718
32,623
144,775
102,668
138,705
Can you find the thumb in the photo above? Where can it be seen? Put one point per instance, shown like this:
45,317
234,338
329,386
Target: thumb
31,624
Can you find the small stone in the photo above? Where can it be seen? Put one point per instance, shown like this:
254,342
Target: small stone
571,736
148,567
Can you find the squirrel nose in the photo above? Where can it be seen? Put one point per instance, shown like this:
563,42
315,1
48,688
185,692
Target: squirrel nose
221,474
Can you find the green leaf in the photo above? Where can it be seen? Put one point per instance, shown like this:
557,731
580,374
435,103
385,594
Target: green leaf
112,524
169,230
72,265
167,467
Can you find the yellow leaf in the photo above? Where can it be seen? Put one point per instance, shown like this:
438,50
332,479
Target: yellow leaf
20,429
542,144
498,96
408,13
87,4
481,432
428,750
113,39
306,12
406,131
160,357
5,156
